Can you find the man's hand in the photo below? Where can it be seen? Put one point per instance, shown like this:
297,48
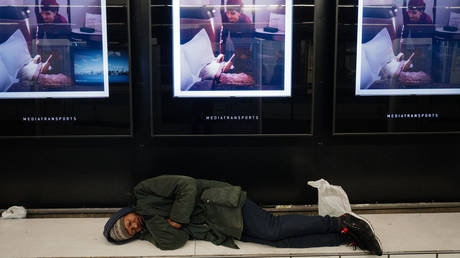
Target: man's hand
220,58
225,65
408,63
228,65
46,64
174,224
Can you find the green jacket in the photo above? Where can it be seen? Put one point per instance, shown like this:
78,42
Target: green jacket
208,210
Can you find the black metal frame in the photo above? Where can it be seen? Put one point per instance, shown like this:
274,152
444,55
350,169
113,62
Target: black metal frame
388,137
156,135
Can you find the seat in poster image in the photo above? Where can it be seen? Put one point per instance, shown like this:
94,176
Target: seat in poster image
408,47
41,46
228,48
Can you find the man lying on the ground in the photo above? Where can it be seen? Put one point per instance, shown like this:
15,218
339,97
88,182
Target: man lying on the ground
171,209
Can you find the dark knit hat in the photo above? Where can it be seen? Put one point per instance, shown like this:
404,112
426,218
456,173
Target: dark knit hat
416,5
118,232
49,5
234,5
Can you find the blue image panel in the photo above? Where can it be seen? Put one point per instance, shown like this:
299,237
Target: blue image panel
89,67
118,67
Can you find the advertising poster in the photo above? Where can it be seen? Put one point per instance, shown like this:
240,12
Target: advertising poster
232,48
59,59
54,49
408,47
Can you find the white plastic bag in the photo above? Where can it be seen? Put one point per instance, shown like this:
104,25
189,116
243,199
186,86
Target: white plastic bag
332,199
15,212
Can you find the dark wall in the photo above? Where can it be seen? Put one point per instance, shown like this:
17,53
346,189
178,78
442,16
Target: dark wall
99,172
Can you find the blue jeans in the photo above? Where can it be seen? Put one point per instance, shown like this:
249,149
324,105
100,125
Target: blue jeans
288,231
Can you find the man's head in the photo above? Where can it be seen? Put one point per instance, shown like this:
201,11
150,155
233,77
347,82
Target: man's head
123,226
233,10
48,11
133,223
415,9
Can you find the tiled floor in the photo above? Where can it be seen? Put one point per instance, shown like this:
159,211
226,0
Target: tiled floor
427,235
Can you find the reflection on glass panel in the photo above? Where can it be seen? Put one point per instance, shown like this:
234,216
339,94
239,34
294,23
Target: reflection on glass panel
239,67
420,63
70,71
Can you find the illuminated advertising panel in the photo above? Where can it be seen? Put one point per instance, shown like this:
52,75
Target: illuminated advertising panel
61,82
54,49
408,47
232,48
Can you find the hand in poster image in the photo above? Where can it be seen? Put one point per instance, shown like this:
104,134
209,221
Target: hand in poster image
22,68
36,70
218,70
399,69
214,69
380,66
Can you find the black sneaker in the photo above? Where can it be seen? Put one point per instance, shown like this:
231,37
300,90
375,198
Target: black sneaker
363,233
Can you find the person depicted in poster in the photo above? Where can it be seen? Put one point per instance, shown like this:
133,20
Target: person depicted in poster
237,33
415,21
50,23
233,65
417,25
171,209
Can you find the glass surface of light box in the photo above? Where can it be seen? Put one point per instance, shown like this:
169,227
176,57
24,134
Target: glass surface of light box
407,48
396,67
243,68
84,89
38,44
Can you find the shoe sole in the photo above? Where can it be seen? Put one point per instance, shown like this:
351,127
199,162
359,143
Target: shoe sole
370,226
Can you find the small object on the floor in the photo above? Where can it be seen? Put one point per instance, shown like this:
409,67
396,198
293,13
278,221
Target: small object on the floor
15,212
332,199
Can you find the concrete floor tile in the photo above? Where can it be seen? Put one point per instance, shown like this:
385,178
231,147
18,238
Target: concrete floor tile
317,257
333,250
208,248
417,232
449,255
82,237
71,238
363,256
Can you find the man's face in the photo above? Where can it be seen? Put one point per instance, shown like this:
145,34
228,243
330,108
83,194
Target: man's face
414,15
133,223
233,15
48,16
